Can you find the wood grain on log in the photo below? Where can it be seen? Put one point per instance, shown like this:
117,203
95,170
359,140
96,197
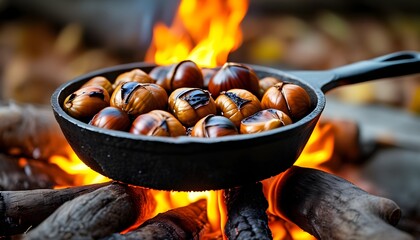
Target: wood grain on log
188,222
22,210
93,215
246,213
329,207
31,131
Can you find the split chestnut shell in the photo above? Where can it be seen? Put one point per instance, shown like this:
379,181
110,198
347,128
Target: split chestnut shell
237,104
264,120
214,126
189,105
138,98
157,123
111,118
86,102
290,98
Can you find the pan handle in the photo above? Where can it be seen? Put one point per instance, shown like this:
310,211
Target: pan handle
390,65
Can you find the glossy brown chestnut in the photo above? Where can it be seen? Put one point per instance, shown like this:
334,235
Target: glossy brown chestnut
101,82
237,104
138,98
266,83
135,75
157,123
86,102
234,75
184,74
111,118
290,98
264,120
214,126
189,105
159,74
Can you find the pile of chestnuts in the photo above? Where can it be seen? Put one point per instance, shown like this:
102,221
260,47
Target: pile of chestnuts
185,100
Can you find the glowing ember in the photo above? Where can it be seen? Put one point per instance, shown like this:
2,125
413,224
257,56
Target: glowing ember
203,31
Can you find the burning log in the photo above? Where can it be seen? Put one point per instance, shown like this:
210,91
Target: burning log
97,214
246,213
329,207
31,131
24,174
21,210
188,222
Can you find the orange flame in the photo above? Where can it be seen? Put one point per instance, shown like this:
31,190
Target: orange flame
203,31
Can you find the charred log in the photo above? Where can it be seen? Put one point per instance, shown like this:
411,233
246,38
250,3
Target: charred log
22,210
31,131
329,207
16,177
246,213
188,222
93,215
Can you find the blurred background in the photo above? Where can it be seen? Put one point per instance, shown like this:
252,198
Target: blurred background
46,43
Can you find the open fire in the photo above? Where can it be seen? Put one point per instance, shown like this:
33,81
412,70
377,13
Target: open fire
207,36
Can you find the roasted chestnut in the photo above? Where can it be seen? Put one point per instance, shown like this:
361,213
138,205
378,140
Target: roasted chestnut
189,105
159,74
290,98
214,126
157,123
234,75
135,75
264,120
86,102
138,98
111,118
237,104
266,83
101,82
184,74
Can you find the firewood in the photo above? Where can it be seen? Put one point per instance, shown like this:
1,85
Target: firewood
330,207
16,177
97,214
187,222
246,213
22,210
30,130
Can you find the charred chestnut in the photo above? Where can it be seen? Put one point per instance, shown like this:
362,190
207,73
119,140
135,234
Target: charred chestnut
184,74
86,102
135,75
234,75
189,105
137,98
290,98
157,123
101,82
264,120
266,83
237,104
214,126
111,118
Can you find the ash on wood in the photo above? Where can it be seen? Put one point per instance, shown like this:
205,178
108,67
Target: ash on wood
15,177
246,213
330,207
22,210
93,215
188,222
30,130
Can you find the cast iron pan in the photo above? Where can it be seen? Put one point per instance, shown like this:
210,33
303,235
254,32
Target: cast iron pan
195,164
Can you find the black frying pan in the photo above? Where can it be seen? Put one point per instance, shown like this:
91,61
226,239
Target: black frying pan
195,164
